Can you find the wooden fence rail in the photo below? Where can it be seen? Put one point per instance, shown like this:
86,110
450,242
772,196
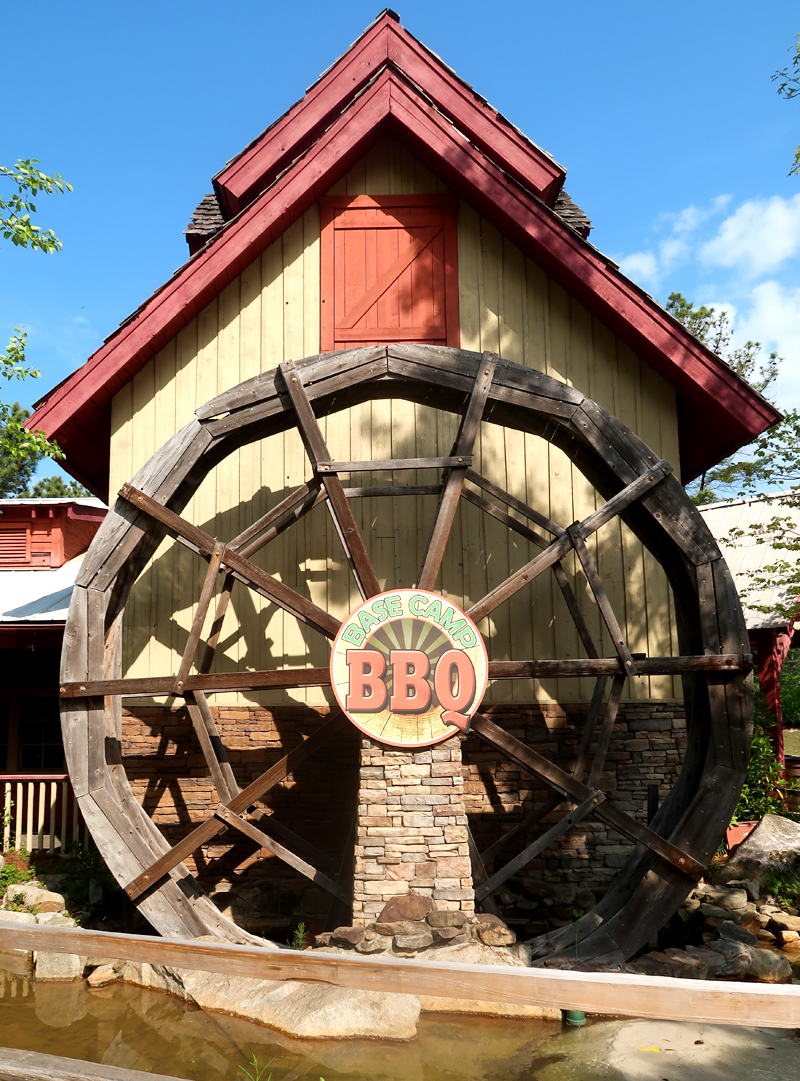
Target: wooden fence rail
33,1066
40,813
659,997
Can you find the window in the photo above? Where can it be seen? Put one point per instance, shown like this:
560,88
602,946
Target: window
389,270
40,746
15,546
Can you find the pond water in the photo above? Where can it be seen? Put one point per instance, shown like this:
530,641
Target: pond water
139,1029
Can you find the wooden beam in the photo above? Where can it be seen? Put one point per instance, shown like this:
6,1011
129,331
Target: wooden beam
206,593
289,518
603,603
220,780
578,792
341,513
479,875
582,757
529,820
454,481
219,618
226,815
515,504
380,464
215,682
282,595
217,745
270,825
606,730
539,845
203,833
664,997
559,548
266,520
407,489
34,1066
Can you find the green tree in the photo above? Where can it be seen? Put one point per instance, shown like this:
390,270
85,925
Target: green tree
729,478
20,450
789,87
57,488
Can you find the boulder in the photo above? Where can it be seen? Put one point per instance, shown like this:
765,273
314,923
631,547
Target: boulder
374,943
750,885
401,927
347,937
475,953
57,966
769,966
732,900
102,975
55,919
732,932
34,898
409,906
418,941
492,935
447,919
304,1010
788,938
772,848
450,934
780,921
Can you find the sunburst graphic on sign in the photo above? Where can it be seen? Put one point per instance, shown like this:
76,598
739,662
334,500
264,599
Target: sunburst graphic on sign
409,668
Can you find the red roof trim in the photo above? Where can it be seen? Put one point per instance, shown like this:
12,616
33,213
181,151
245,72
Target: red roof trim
385,42
732,413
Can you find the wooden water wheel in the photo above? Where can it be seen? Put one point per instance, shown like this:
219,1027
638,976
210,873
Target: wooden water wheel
714,661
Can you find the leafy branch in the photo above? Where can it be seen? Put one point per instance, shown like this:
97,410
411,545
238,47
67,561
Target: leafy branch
789,88
16,209
18,442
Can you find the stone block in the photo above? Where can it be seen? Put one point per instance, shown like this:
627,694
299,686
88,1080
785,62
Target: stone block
57,966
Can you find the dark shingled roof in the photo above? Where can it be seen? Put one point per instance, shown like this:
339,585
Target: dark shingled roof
571,213
208,220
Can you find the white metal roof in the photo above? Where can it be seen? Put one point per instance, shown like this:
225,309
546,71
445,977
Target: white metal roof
83,501
746,554
38,596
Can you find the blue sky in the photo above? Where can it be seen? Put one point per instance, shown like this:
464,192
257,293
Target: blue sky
664,114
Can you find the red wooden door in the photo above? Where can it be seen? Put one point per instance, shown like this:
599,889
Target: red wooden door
389,270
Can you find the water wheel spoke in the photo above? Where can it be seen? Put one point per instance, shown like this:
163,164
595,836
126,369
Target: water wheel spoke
221,781
563,543
603,603
577,792
479,875
309,487
596,704
529,820
558,570
606,729
209,682
712,664
206,593
282,595
338,505
271,826
454,481
216,627
515,504
229,818
592,801
212,826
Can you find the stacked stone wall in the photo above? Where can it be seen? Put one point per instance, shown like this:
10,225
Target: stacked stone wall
412,829
413,806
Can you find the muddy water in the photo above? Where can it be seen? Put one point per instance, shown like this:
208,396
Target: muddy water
145,1030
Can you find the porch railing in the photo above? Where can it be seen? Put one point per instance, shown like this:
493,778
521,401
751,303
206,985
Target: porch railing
40,813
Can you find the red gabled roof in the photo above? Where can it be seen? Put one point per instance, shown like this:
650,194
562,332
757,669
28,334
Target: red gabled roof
484,160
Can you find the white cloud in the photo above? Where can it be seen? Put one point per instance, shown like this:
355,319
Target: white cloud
640,266
774,320
759,236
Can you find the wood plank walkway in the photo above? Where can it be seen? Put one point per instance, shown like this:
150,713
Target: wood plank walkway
657,997
33,1066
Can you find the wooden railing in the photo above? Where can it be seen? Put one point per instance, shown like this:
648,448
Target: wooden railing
40,813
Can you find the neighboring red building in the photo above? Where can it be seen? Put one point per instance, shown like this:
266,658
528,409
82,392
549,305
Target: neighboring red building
42,542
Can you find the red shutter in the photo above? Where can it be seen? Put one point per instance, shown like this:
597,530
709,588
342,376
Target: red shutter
14,546
389,270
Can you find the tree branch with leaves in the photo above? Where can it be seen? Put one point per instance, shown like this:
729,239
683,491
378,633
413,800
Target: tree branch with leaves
789,87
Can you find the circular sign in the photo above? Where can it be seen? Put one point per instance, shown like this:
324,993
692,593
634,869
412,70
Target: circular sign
409,668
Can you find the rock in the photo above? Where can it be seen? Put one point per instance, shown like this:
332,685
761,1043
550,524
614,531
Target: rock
55,919
475,953
324,939
376,944
410,906
98,962
401,927
34,898
450,934
768,966
419,941
102,975
694,968
347,936
750,885
732,900
57,966
781,922
772,848
307,1011
17,917
788,938
447,919
764,936
2,862
734,933
713,912
492,935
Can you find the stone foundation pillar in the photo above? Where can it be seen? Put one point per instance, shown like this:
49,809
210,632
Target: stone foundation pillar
411,833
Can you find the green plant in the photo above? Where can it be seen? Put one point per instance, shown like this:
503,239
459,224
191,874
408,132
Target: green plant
299,938
785,888
256,1074
576,925
10,875
765,789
